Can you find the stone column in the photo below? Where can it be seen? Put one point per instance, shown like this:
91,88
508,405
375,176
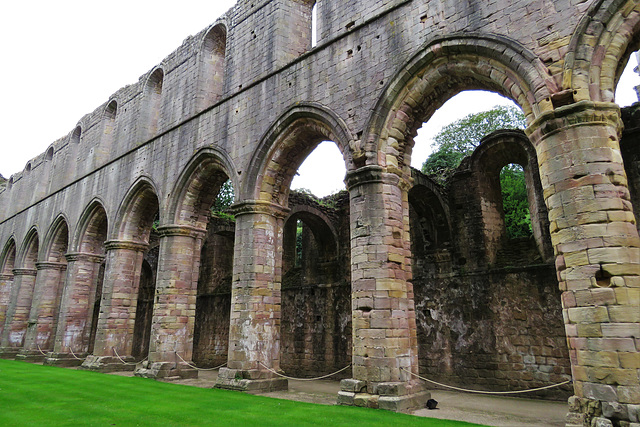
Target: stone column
18,312
76,310
254,333
385,344
597,253
41,327
114,338
174,311
6,284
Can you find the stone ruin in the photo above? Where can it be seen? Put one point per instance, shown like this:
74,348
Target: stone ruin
109,251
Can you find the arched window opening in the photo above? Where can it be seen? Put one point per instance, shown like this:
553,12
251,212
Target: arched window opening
49,156
28,167
322,172
314,25
7,264
76,135
465,277
627,97
628,88
213,302
214,50
153,102
515,205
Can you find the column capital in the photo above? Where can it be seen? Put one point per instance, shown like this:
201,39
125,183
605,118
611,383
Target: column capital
79,256
121,244
5,276
45,265
580,113
181,230
376,174
25,272
259,207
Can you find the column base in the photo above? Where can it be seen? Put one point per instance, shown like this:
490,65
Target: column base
9,352
391,396
251,381
31,356
587,412
107,364
65,360
165,370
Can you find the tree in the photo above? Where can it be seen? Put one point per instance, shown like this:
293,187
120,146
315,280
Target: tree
459,139
224,200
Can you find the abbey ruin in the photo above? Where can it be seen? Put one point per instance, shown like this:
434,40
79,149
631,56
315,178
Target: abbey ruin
108,250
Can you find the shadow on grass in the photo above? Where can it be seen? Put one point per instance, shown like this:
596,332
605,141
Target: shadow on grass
48,396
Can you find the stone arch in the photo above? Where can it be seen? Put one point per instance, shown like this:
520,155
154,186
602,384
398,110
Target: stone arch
600,47
152,98
92,229
8,257
7,264
76,135
432,213
495,152
198,186
444,67
56,242
29,250
285,146
49,154
212,64
137,212
324,233
111,110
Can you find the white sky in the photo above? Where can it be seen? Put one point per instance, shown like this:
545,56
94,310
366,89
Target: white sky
62,59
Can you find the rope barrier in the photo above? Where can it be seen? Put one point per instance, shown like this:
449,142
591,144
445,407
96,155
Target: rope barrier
43,353
195,367
74,355
304,379
488,392
123,362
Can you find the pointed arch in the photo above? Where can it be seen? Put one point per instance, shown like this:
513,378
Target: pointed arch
8,257
285,146
212,64
29,250
92,229
152,98
56,242
198,186
600,47
444,67
137,212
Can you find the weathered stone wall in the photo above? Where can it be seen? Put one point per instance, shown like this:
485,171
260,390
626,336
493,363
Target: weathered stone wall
247,99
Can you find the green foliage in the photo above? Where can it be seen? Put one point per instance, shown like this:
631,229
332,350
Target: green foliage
517,217
460,138
35,395
224,200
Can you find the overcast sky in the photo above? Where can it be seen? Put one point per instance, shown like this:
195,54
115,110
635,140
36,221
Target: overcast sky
62,59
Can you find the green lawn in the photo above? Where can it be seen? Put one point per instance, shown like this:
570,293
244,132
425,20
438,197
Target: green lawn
34,395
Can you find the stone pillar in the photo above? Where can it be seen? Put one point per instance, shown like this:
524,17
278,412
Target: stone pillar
41,327
174,311
385,344
114,338
76,310
254,333
18,312
6,284
597,257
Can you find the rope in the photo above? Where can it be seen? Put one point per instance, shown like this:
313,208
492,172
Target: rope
304,379
123,362
488,392
195,367
43,353
74,355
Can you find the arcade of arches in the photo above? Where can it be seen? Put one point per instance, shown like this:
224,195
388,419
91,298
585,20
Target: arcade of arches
110,257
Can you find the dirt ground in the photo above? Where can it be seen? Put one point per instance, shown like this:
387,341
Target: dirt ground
474,408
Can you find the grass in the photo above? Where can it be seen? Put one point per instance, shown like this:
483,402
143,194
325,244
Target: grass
33,395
